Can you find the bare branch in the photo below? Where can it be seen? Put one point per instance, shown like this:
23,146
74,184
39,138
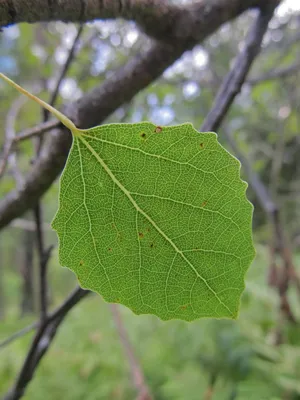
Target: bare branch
69,303
36,130
233,82
41,343
64,70
44,256
137,374
11,158
277,73
18,335
24,135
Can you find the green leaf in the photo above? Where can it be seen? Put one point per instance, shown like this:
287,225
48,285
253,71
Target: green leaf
156,219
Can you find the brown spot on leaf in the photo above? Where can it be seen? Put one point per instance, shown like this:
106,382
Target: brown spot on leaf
81,262
110,249
204,203
201,145
183,307
141,235
158,129
151,245
143,135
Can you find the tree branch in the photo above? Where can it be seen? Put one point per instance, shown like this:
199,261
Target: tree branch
137,374
161,19
37,130
16,335
94,107
154,15
235,79
277,73
41,343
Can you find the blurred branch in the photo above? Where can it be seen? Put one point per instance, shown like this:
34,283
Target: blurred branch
235,79
137,374
64,70
24,135
44,256
36,130
18,335
276,73
41,343
121,87
11,158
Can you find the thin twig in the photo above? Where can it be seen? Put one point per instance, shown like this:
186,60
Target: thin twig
64,70
36,130
276,73
41,343
17,335
137,374
10,136
24,135
44,256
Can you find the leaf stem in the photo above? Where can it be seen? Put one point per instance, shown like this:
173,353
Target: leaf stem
63,119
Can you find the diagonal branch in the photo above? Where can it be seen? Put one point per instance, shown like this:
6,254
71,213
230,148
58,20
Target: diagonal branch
64,70
235,79
41,343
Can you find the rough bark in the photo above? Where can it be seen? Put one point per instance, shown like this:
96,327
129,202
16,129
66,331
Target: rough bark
159,18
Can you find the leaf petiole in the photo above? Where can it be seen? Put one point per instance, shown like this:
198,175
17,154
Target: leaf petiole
61,117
